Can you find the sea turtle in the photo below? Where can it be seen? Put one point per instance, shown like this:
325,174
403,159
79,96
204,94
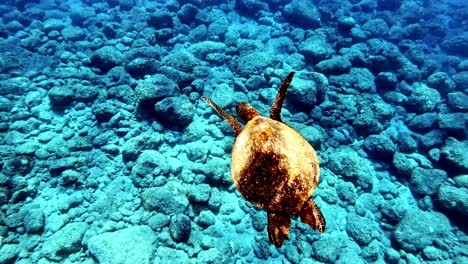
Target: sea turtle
274,167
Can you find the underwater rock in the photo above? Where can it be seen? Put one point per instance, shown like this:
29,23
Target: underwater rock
160,19
329,254
455,124
135,145
251,7
363,80
123,93
212,255
461,79
8,253
72,33
199,193
61,97
144,51
18,165
442,82
59,165
187,13
458,101
164,199
432,139
454,157
206,218
64,242
34,221
419,229
375,28
175,111
155,87
366,124
150,163
159,220
389,5
140,67
106,58
303,13
313,135
386,81
85,93
180,228
427,181
170,255
334,66
181,60
424,122
80,12
406,143
454,197
218,28
104,112
346,192
380,146
209,51
423,99
254,63
316,49
404,164
130,245
303,93
352,167
456,44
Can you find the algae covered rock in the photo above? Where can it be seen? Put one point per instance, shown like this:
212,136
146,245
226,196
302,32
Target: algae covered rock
175,111
155,87
130,245
165,199
106,58
454,197
419,229
64,242
454,156
427,181
180,228
423,99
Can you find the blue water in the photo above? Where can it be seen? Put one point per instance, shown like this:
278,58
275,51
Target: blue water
109,155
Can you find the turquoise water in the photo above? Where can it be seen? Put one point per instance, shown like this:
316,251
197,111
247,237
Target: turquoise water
109,155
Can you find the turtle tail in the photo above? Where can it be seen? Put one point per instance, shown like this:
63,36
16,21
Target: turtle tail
278,227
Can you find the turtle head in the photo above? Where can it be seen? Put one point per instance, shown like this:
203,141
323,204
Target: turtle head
246,112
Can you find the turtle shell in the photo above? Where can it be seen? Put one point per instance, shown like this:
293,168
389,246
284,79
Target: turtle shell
273,166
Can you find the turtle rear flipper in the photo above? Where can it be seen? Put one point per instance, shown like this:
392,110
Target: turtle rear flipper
231,120
310,214
278,228
275,112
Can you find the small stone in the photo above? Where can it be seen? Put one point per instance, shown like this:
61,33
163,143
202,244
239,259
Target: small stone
130,245
34,221
61,97
458,101
106,58
180,228
427,181
206,218
176,111
64,242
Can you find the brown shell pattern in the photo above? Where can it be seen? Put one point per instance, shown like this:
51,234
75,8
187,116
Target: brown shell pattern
273,166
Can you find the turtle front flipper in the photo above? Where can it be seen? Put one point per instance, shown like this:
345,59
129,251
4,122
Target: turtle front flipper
231,120
275,112
311,215
278,227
